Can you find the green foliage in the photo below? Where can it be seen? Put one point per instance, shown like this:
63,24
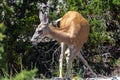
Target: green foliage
98,34
8,8
117,62
116,2
26,75
2,30
23,75
3,64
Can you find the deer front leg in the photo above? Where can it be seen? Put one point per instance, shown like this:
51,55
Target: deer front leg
86,64
63,48
69,64
71,53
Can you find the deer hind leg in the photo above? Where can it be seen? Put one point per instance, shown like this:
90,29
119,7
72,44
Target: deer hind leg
86,64
63,48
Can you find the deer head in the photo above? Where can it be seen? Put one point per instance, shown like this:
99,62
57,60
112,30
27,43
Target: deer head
42,30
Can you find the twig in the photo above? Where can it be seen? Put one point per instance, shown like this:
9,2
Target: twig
52,47
53,55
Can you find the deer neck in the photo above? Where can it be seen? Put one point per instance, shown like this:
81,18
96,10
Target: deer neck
58,34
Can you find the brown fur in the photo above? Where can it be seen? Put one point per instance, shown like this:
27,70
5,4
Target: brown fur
74,29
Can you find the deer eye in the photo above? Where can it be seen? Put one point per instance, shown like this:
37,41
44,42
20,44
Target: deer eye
40,32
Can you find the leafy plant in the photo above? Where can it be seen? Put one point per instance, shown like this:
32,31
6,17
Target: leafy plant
23,75
3,64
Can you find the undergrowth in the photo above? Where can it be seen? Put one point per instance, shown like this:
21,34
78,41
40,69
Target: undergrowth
23,75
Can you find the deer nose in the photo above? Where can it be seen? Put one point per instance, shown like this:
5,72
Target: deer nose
33,41
34,38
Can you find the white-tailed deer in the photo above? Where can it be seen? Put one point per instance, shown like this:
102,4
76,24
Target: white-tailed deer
73,33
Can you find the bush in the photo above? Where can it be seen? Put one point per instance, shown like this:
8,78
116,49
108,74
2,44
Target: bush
23,75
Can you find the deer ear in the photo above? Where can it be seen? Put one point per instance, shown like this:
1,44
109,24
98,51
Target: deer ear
43,17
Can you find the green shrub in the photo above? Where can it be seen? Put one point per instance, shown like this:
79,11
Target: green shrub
3,64
23,75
